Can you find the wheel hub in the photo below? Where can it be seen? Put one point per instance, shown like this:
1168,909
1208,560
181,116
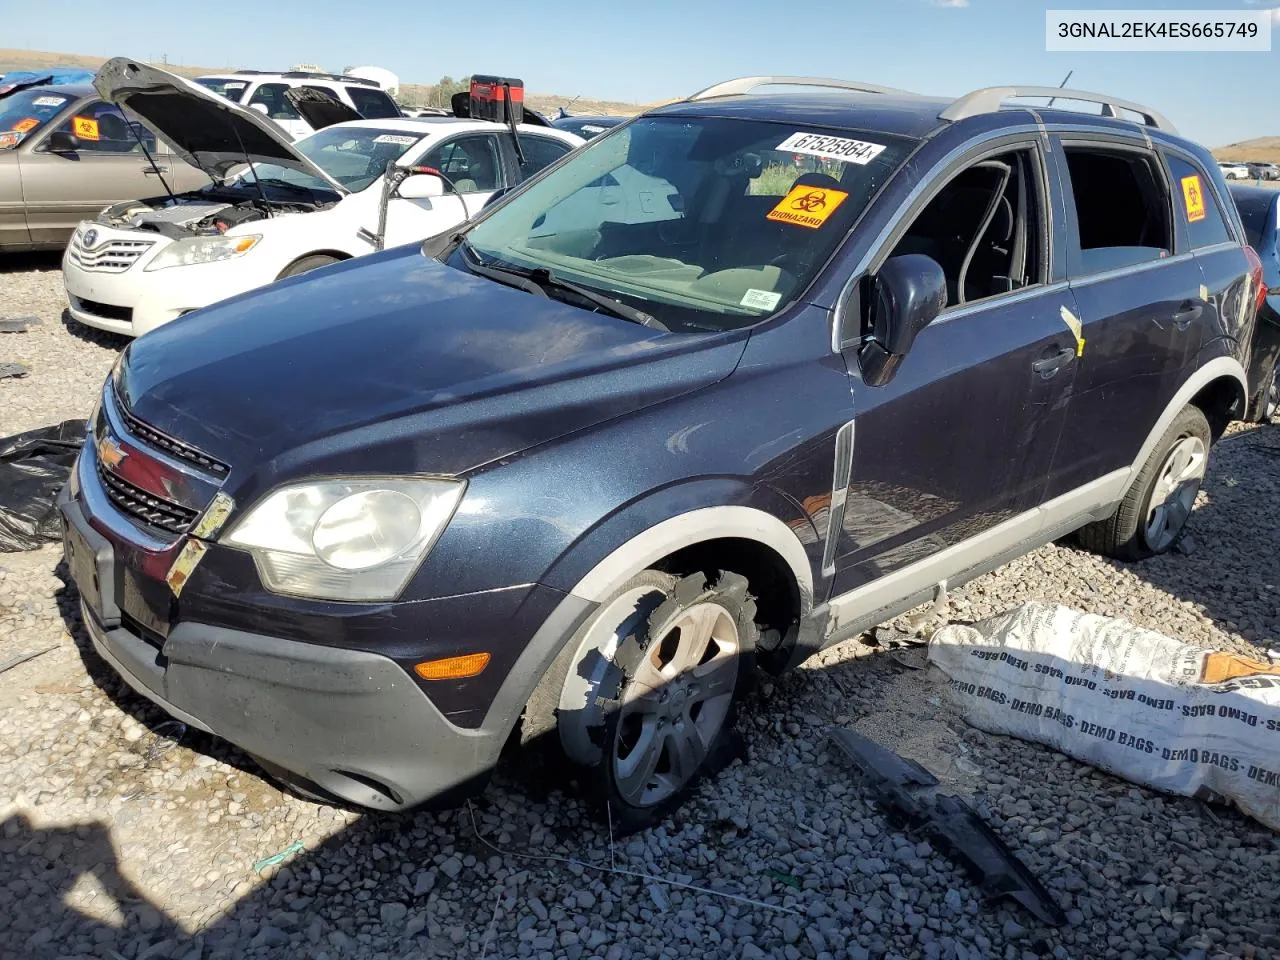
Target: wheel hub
1174,495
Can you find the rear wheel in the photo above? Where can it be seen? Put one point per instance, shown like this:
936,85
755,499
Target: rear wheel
649,705
1159,502
307,264
1269,402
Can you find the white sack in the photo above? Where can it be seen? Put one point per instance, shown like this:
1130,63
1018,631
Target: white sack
1130,701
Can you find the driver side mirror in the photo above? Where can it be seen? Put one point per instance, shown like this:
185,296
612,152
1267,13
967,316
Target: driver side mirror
420,186
906,296
261,108
62,142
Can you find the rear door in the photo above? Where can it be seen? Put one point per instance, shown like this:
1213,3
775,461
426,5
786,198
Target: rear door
61,189
1210,234
1138,299
963,437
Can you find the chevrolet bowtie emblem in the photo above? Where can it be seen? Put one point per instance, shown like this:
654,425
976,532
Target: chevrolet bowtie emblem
110,453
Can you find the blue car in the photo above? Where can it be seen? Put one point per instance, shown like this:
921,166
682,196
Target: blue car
577,471
1260,212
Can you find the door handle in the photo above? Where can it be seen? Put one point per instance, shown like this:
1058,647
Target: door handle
154,171
1046,367
1187,314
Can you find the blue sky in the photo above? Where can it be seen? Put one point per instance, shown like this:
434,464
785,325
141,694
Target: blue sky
656,49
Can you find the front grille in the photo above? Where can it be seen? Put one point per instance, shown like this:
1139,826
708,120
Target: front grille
142,506
113,256
162,441
107,311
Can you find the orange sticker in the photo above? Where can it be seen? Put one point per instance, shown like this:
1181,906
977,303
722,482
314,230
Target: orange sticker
1220,667
86,128
1193,194
807,206
25,124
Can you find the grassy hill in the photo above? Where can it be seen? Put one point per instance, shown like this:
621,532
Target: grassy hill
1257,150
410,93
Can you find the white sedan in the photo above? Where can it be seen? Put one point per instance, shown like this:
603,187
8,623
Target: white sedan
276,208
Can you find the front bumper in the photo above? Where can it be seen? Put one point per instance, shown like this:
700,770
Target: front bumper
134,301
352,722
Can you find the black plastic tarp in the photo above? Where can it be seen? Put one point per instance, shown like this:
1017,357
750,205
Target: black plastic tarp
34,466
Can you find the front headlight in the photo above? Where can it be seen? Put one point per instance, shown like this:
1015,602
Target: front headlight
194,250
345,539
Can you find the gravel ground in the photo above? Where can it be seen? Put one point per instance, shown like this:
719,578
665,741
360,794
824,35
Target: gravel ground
124,835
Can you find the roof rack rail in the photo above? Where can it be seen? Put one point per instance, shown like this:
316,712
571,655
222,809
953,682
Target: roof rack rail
343,77
743,85
990,99
309,75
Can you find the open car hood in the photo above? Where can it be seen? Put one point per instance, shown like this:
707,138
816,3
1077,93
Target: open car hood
205,129
319,109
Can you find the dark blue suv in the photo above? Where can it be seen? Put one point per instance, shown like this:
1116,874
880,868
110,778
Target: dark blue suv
735,381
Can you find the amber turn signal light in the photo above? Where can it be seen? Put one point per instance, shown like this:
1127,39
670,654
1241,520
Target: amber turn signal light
452,668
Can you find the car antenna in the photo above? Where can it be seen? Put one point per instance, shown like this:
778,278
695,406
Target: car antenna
137,135
1061,85
256,182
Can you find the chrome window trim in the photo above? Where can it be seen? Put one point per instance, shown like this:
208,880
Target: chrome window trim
1129,270
1000,300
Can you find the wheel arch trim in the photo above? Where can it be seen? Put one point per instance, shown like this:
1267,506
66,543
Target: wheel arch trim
689,529
1219,368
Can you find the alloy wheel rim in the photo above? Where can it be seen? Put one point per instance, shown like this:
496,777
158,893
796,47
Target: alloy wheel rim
1174,495
676,704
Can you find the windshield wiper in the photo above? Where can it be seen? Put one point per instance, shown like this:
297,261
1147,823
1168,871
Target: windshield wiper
540,280
545,278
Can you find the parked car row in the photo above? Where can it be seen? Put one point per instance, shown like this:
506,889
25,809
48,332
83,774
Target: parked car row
675,409
1249,171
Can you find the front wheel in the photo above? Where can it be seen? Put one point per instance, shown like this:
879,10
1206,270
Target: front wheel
306,265
1154,511
649,706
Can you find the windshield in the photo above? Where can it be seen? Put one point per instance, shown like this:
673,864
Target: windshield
25,112
354,156
705,223
233,90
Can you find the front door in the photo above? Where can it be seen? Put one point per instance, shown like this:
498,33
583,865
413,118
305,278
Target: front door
473,170
962,439
108,165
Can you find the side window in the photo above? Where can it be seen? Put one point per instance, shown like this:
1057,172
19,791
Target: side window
471,162
1122,207
271,96
540,152
1194,198
985,228
102,128
372,104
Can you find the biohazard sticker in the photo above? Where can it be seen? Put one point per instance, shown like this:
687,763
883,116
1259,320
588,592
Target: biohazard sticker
833,148
86,128
25,125
394,138
807,206
1193,194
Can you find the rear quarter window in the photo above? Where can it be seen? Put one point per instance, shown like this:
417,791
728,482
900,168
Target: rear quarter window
1194,201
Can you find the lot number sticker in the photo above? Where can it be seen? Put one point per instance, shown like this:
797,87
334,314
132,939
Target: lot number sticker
394,138
807,206
48,101
833,148
86,128
1194,196
760,299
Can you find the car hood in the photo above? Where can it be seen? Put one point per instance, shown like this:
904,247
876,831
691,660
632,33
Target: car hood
396,363
206,130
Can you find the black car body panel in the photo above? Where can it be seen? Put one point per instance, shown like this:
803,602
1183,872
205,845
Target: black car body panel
1260,210
592,447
